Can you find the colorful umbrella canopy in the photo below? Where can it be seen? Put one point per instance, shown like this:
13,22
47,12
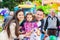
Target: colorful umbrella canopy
3,12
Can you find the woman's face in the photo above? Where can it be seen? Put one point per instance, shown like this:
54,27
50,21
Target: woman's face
29,18
20,16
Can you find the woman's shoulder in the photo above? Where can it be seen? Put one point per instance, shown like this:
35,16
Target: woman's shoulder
12,24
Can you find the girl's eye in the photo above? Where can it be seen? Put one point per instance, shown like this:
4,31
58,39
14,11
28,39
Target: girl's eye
37,14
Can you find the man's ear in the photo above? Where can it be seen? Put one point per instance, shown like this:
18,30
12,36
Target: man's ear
43,15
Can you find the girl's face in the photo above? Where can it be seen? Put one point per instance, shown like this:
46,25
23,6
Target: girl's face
29,18
20,16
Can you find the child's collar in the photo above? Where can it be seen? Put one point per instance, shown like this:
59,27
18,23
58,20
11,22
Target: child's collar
28,21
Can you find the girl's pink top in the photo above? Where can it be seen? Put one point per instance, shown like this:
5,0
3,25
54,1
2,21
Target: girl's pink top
30,26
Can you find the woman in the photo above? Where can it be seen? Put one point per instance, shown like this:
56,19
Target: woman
19,16
10,31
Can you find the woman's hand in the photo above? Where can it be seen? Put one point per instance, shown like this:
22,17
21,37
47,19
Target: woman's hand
21,32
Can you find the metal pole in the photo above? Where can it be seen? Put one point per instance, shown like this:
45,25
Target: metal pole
42,2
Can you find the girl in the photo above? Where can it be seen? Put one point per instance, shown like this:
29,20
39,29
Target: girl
10,31
31,27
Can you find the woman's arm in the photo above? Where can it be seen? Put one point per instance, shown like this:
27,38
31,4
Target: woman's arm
12,30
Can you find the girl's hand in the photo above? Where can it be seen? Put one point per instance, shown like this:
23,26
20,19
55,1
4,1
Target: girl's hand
32,31
21,32
28,34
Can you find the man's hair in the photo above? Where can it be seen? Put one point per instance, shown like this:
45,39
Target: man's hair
40,10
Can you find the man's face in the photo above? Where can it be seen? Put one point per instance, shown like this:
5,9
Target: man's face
52,13
39,15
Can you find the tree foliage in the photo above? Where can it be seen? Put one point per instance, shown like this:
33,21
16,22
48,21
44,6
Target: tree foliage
10,3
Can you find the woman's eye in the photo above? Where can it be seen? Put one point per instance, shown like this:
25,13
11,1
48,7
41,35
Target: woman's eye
19,15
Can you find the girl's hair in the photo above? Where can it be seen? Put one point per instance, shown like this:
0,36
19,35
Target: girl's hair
29,14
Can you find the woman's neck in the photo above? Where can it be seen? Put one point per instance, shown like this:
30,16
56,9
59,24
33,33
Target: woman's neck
20,20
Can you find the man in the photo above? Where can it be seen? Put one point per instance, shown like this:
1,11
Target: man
40,21
59,24
52,23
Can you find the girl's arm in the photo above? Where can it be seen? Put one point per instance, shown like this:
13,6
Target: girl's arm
36,29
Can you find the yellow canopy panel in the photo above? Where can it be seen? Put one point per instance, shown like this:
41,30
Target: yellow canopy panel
25,6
